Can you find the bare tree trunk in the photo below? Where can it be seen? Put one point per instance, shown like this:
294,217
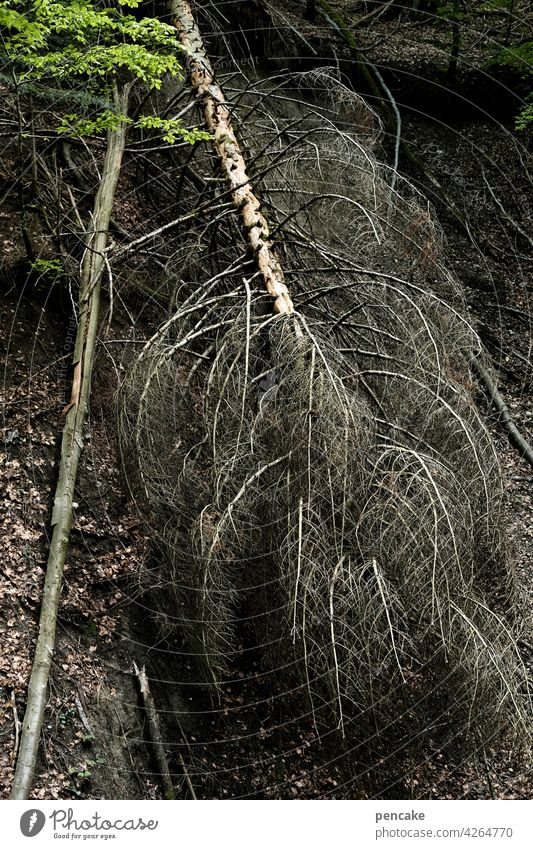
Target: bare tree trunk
451,73
217,118
310,10
72,442
154,731
510,20
376,12
506,420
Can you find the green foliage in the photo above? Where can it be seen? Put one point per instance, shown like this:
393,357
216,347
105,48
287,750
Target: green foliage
71,42
52,268
519,57
450,12
80,773
65,717
518,60
104,62
59,40
171,128
494,5
524,119
88,739
76,125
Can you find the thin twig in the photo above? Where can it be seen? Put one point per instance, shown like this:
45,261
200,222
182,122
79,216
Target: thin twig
83,716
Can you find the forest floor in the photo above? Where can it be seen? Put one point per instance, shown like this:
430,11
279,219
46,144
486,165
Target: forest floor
94,739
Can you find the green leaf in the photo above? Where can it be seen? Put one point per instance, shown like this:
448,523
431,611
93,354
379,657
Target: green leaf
524,119
54,42
80,127
172,129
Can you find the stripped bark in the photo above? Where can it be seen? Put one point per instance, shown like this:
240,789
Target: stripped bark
217,119
72,442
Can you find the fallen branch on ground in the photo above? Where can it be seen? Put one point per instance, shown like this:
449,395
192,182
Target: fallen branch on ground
505,417
155,732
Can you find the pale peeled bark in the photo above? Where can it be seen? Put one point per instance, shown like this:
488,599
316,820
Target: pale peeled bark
71,446
217,119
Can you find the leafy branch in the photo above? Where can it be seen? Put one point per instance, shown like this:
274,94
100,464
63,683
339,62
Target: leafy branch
74,41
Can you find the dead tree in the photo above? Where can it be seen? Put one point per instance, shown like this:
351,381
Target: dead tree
335,486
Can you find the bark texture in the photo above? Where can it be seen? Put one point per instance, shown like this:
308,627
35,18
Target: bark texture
154,731
217,119
71,446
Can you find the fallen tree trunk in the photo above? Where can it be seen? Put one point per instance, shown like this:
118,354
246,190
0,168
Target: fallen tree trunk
515,437
217,118
154,731
72,442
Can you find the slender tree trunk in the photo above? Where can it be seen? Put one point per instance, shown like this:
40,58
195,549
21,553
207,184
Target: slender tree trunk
506,420
310,10
72,442
451,73
217,118
366,69
510,20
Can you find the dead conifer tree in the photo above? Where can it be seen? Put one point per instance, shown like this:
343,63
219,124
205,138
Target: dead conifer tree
318,471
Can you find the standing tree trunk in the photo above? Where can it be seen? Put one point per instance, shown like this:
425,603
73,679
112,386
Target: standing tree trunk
510,19
451,73
72,442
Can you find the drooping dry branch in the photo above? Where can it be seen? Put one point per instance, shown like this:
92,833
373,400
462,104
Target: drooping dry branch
383,96
72,442
334,496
